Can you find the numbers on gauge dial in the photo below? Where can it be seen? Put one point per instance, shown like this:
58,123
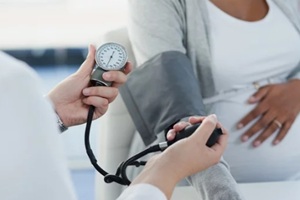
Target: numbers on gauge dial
111,56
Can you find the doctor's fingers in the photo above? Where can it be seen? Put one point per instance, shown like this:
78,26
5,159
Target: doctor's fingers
101,104
198,119
221,144
204,131
87,66
176,129
210,123
118,78
181,125
109,93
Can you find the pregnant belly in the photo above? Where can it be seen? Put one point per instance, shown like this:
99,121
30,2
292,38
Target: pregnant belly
266,162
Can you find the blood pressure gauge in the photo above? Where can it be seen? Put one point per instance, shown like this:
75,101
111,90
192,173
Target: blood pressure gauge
109,56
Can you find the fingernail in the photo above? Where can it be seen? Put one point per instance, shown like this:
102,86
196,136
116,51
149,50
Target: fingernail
91,46
240,125
192,118
170,133
215,116
86,91
252,99
106,75
276,142
256,143
245,138
182,123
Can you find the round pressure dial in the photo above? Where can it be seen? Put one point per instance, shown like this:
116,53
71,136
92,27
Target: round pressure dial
111,56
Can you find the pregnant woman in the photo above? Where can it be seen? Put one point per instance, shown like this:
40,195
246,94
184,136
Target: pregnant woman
246,56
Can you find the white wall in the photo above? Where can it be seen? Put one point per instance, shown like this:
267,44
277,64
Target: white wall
58,23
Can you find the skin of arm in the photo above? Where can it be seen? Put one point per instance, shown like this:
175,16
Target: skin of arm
166,169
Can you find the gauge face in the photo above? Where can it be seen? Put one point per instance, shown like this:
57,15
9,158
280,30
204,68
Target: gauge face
111,56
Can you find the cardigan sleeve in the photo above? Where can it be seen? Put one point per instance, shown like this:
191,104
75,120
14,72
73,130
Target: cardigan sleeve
155,26
216,183
294,12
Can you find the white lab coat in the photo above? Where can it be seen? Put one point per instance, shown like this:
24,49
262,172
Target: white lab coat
142,192
33,164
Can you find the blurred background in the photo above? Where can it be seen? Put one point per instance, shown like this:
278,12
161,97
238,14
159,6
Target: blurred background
52,36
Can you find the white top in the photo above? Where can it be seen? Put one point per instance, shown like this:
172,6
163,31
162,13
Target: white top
142,191
245,52
33,165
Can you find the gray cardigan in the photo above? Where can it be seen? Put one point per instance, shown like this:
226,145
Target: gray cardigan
183,25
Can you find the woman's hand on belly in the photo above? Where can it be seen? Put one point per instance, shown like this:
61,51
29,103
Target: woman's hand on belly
277,107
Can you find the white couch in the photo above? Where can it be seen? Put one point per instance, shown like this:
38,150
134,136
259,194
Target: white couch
116,133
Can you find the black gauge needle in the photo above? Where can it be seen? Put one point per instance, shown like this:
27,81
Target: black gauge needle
110,58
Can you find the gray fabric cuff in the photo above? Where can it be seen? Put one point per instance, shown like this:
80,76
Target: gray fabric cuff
161,92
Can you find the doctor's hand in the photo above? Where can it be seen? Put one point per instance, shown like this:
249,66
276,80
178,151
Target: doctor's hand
73,96
184,158
277,107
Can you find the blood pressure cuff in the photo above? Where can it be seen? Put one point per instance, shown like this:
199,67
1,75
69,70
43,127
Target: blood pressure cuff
160,93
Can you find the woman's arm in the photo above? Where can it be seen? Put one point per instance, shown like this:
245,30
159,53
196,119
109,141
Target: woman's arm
216,182
155,27
186,157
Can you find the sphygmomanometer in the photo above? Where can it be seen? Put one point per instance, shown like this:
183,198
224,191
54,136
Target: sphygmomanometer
113,56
